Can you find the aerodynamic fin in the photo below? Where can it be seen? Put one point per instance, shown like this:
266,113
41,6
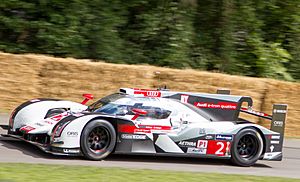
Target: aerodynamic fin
278,120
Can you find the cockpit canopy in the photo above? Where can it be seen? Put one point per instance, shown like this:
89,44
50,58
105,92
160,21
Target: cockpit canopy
155,108
127,109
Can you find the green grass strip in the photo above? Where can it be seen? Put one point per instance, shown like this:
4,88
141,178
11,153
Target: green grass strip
57,173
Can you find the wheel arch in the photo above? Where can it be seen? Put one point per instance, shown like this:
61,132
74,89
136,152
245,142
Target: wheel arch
113,121
261,134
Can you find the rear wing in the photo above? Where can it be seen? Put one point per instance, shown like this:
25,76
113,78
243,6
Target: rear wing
277,118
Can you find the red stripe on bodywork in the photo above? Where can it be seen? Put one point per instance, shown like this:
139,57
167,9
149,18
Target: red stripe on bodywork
219,105
27,129
125,128
148,93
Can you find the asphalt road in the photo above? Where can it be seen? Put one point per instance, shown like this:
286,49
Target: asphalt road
12,150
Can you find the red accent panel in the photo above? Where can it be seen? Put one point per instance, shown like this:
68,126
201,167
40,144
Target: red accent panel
219,105
87,98
219,148
27,129
139,111
60,116
124,128
148,93
135,116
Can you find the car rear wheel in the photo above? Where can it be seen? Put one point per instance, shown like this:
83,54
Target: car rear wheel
98,140
247,147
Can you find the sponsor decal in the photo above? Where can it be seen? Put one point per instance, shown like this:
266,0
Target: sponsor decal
219,105
202,144
73,151
196,150
133,137
272,155
268,154
219,148
48,121
184,98
251,111
278,123
275,137
223,137
274,142
279,111
72,133
187,144
209,137
55,140
272,148
124,128
148,93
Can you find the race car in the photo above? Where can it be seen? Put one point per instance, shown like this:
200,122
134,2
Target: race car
151,122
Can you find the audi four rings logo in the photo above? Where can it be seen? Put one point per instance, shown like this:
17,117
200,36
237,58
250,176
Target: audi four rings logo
152,93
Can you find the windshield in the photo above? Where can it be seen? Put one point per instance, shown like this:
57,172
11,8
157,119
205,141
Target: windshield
105,100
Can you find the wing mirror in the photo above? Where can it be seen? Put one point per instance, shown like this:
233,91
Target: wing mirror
87,97
138,112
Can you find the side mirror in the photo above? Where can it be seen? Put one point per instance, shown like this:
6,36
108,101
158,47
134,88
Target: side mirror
138,112
87,97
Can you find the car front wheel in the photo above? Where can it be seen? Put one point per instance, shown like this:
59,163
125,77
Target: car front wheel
97,140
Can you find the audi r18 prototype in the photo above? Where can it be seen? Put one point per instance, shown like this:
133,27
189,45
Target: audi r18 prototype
160,122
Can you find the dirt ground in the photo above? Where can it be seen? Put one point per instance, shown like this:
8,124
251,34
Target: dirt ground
27,76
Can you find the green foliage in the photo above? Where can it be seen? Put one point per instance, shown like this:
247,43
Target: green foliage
247,37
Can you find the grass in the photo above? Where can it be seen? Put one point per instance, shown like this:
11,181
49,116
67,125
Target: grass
45,173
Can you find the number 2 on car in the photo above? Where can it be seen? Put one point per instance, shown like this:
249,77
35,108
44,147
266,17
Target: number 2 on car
219,148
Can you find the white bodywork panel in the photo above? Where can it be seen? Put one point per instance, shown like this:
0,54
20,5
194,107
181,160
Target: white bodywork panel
34,114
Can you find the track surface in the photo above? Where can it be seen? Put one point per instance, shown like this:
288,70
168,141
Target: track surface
12,150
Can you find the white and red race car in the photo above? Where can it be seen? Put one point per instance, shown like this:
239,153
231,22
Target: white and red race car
160,122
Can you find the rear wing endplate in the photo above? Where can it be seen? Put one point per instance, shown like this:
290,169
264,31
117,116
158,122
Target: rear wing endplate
277,118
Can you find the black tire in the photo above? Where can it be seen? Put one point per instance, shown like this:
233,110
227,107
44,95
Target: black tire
246,148
98,140
53,112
